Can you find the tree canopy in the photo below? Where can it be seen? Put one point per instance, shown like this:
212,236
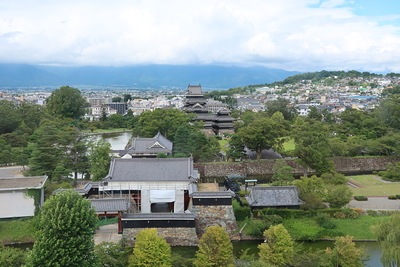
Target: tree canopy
65,230
66,102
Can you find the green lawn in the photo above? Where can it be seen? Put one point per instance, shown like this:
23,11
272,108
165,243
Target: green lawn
16,230
373,187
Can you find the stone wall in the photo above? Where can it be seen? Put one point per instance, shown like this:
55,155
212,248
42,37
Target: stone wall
182,236
264,167
216,215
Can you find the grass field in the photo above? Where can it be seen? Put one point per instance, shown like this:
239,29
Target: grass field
17,230
373,187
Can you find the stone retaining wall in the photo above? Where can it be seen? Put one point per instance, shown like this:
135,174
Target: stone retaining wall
216,215
264,167
174,236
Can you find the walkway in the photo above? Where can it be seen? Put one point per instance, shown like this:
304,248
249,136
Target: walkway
11,172
375,203
107,233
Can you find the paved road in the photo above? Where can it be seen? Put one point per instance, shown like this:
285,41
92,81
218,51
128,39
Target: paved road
107,233
375,203
11,172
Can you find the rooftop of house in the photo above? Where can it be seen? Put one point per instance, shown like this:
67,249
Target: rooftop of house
194,90
155,145
262,196
152,169
36,182
110,204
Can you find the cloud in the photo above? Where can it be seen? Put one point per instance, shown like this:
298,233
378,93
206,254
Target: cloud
299,35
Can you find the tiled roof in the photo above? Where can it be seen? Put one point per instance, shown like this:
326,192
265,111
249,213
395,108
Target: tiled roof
274,196
155,145
110,204
152,169
22,183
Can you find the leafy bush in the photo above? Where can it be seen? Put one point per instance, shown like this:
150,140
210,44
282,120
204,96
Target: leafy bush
329,225
350,213
398,196
256,228
241,213
360,198
339,215
244,202
304,229
322,218
243,193
272,219
331,212
284,213
392,197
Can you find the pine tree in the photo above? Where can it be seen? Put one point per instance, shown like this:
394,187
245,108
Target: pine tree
215,248
150,250
65,232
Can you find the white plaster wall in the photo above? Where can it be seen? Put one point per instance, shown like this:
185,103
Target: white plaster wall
179,205
16,204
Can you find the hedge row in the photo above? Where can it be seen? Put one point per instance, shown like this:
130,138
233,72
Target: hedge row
360,198
293,214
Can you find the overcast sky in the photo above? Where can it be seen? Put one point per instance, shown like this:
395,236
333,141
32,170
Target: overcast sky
302,35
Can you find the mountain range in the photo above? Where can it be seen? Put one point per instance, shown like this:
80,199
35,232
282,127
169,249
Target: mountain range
143,76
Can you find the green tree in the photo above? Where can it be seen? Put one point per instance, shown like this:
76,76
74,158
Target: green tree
12,257
281,105
264,133
311,190
338,196
99,157
312,150
65,230
9,116
66,102
127,97
150,250
116,121
278,249
163,120
389,111
388,236
116,99
236,148
345,253
215,248
182,141
50,144
282,173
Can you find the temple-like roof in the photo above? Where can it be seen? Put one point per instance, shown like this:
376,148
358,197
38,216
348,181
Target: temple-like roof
109,204
146,146
194,90
273,196
152,169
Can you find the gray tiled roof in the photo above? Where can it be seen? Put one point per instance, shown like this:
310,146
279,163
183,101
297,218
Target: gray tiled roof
194,90
274,196
22,183
155,145
213,194
110,204
152,169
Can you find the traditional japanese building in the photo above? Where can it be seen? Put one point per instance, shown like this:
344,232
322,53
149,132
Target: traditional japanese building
214,119
147,147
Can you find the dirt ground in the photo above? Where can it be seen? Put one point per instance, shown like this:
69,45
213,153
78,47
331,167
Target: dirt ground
208,187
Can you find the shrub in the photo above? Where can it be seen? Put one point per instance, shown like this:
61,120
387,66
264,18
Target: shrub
398,196
244,202
350,213
392,197
331,212
373,213
284,213
272,219
359,211
381,173
242,213
339,215
257,228
243,193
360,198
329,225
322,218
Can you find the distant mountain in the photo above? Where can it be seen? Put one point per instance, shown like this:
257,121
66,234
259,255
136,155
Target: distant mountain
153,76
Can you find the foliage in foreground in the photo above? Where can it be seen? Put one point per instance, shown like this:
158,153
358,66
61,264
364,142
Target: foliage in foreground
65,231
12,257
150,250
215,248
